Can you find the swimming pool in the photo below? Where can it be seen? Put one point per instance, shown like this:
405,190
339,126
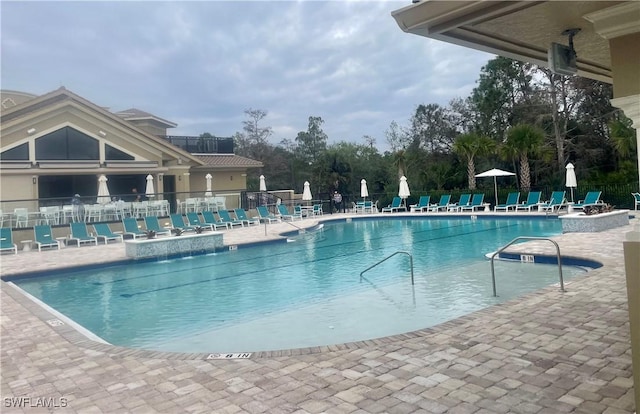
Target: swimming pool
306,292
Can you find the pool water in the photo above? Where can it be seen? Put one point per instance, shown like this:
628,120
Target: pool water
306,292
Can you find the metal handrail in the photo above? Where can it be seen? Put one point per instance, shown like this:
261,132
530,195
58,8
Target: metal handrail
493,273
389,257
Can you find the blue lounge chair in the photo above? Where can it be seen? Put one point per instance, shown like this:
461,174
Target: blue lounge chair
103,231
265,216
317,209
43,237
556,202
636,200
210,218
286,215
396,205
80,234
533,199
464,201
591,199
513,199
423,204
225,217
6,240
194,221
443,204
153,224
130,226
177,222
477,203
242,216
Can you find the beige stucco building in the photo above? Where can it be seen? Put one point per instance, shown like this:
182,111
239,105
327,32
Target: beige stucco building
56,145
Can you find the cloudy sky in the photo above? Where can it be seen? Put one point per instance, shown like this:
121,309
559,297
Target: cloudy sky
201,64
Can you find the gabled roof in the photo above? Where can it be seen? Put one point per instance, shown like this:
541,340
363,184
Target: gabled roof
228,160
134,114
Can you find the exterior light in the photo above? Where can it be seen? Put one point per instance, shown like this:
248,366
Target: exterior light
101,132
31,131
34,179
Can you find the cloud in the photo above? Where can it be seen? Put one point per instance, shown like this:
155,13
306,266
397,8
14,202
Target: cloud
201,64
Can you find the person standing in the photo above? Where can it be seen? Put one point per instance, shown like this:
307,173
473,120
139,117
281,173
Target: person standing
337,200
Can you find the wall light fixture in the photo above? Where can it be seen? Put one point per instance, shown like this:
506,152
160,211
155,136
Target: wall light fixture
31,131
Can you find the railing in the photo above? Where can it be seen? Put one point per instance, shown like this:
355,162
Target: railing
201,145
387,258
493,273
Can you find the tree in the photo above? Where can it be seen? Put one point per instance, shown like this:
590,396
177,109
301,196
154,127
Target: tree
253,142
431,128
312,142
470,145
524,140
397,137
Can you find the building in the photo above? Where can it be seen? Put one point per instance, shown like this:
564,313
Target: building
56,145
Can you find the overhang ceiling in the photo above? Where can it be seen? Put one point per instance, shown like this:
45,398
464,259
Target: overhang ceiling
521,30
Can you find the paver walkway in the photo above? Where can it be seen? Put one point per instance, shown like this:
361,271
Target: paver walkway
547,352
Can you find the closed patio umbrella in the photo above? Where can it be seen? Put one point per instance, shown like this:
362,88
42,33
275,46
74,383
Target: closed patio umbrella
263,184
149,191
364,191
403,192
570,179
208,193
306,193
495,173
103,190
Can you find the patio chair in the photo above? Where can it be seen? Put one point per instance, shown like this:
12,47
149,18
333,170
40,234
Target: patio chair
130,226
225,217
103,231
265,216
6,240
209,218
194,221
242,216
443,203
591,199
396,205
80,234
556,202
177,222
464,201
286,215
636,200
43,237
513,199
423,204
317,209
153,223
533,198
477,203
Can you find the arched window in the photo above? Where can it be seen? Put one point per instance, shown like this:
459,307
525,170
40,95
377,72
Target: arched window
67,144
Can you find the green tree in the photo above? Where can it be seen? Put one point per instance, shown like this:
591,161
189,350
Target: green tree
524,140
469,146
312,142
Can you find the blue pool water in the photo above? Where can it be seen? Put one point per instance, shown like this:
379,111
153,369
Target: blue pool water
306,292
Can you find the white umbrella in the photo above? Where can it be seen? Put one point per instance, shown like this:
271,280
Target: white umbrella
306,193
404,192
263,184
364,192
208,192
149,191
495,173
570,179
103,190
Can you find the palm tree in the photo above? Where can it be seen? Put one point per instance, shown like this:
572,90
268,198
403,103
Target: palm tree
469,146
400,162
524,140
623,136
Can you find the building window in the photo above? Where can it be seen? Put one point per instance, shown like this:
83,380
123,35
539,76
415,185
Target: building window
115,154
67,144
19,153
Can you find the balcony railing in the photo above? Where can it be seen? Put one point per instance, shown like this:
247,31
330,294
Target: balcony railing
201,145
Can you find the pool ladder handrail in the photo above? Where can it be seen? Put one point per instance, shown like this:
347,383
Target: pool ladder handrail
387,258
497,252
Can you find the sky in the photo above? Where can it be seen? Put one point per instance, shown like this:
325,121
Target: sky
201,64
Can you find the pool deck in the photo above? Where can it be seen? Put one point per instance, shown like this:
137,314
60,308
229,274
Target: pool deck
545,352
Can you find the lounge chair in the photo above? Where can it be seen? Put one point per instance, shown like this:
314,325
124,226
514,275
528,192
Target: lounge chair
153,224
130,226
396,205
317,209
463,202
103,231
591,199
242,216
80,234
443,204
6,240
209,218
423,204
533,199
43,237
225,217
265,216
513,199
177,222
477,203
194,221
556,202
284,213
636,200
